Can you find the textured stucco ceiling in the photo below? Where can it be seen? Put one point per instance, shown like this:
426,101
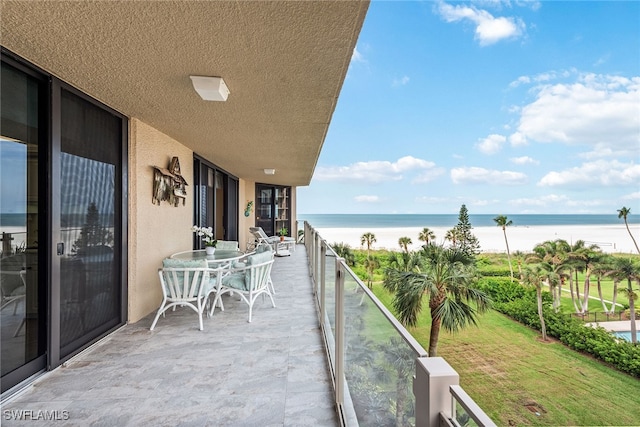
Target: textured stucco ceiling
283,61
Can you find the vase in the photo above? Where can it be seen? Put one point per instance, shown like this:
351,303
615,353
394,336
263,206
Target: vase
210,250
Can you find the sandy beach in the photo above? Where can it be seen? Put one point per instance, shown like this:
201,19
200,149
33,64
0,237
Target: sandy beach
610,238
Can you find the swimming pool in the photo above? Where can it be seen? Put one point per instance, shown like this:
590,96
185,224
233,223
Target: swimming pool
626,335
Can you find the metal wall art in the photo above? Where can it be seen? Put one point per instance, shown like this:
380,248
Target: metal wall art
168,184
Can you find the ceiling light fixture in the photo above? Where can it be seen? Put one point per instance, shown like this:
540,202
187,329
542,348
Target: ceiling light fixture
210,88
270,171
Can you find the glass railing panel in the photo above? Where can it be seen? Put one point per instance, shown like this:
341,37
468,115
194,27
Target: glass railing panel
379,364
466,412
462,418
330,304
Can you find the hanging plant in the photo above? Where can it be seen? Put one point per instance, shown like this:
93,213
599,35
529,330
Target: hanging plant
247,210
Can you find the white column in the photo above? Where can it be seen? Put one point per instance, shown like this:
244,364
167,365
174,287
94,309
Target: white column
431,389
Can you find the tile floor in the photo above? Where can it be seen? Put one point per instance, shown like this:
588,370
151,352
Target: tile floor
271,372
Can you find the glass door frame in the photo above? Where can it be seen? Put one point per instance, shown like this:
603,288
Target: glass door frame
202,168
121,198
39,363
273,221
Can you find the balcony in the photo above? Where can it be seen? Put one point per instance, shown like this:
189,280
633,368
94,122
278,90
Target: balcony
273,371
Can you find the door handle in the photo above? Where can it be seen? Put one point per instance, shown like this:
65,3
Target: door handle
60,248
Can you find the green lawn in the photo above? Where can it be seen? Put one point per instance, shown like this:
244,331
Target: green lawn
512,375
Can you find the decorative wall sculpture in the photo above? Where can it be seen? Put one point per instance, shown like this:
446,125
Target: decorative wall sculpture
168,184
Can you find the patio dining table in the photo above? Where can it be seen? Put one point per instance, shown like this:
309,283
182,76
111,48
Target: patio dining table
217,259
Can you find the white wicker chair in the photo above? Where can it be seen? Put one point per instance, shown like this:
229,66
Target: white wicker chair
186,283
248,279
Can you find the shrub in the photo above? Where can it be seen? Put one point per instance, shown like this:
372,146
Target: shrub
597,342
501,289
494,271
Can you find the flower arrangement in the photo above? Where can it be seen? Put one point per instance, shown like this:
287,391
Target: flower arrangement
207,235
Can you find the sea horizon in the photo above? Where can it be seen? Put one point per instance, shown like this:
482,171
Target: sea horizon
450,220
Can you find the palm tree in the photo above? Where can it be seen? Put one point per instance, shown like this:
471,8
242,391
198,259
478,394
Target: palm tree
343,250
533,277
602,268
371,263
503,222
622,213
627,269
404,243
453,236
447,278
404,261
369,239
520,257
553,253
425,235
581,258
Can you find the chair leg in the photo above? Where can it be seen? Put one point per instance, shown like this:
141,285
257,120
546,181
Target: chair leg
202,303
22,322
160,311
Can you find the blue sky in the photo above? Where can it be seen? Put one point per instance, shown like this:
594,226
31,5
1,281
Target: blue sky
506,106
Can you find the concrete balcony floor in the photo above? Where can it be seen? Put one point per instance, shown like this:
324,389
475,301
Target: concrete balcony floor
271,372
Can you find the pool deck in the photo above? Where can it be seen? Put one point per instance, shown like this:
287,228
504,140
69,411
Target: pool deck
614,326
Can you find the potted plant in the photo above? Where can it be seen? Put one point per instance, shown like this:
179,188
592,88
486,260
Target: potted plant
282,233
207,237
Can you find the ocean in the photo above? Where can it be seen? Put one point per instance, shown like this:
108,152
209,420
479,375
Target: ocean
450,220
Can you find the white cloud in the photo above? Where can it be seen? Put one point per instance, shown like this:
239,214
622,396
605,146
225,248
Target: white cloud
491,144
366,199
600,172
374,171
602,151
476,175
555,202
428,175
632,196
400,82
543,77
596,110
524,160
357,56
550,200
432,200
517,139
489,29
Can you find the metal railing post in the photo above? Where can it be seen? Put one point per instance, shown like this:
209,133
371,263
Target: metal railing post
431,385
317,242
323,268
339,334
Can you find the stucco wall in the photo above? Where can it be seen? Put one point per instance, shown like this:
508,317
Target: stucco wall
155,232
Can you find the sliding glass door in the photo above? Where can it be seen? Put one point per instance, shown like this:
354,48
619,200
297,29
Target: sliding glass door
87,222
272,209
62,223
23,148
216,201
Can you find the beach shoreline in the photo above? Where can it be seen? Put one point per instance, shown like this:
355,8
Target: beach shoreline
610,238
